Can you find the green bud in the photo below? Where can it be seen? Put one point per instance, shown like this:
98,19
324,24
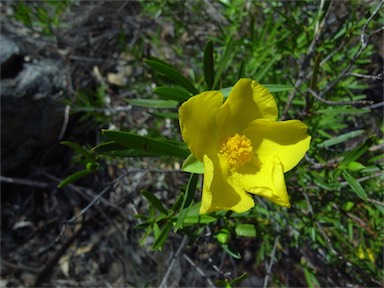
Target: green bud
355,166
223,236
92,166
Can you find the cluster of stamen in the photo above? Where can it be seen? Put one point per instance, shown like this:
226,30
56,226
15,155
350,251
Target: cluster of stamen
237,150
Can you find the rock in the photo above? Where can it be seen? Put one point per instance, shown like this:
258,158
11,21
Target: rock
31,105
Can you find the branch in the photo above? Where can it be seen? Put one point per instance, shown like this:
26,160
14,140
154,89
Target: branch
364,40
266,279
174,258
305,60
342,102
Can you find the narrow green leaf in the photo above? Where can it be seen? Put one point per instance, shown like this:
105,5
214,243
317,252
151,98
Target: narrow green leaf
246,230
160,240
241,72
170,115
357,152
172,93
178,203
355,185
155,202
264,69
79,149
209,70
198,219
187,201
238,279
74,177
311,280
341,138
145,144
173,75
113,149
192,165
224,61
153,103
230,252
273,88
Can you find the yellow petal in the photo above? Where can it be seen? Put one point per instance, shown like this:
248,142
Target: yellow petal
197,122
218,192
247,101
265,179
288,140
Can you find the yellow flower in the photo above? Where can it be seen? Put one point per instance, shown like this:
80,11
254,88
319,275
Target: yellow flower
242,146
362,254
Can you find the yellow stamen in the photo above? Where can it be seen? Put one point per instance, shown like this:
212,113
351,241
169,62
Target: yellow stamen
237,150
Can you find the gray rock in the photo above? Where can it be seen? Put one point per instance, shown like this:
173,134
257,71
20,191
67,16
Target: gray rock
31,105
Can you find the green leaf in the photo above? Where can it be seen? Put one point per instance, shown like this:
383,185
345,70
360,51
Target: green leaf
194,217
155,202
209,70
145,144
238,279
340,139
231,253
310,278
163,235
193,165
113,149
241,72
80,150
357,152
246,230
74,177
355,185
172,93
264,69
153,103
230,48
198,219
187,201
170,115
173,75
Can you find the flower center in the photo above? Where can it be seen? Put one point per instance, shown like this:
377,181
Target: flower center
237,150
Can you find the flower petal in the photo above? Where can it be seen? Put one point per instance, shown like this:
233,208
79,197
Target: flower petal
287,139
266,181
197,122
247,101
218,192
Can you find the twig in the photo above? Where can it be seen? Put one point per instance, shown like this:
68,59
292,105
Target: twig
25,182
364,40
266,279
371,77
201,272
97,198
305,60
65,121
45,273
174,258
342,102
